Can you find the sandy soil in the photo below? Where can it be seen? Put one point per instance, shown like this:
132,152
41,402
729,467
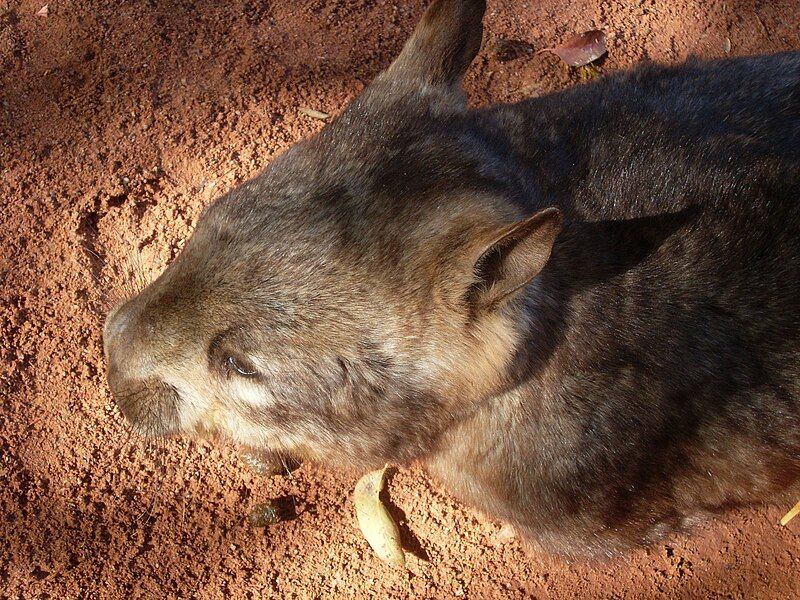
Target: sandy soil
119,121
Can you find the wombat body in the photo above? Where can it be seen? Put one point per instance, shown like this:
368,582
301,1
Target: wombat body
582,311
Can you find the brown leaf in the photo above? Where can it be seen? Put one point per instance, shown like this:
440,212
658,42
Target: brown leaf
581,49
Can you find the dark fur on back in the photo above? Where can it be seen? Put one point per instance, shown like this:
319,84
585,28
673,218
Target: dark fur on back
664,356
581,311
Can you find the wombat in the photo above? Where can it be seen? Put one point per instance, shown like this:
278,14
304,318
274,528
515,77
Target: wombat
580,312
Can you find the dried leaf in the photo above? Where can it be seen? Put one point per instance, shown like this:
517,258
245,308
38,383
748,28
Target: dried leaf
374,519
726,45
791,514
581,49
44,11
314,114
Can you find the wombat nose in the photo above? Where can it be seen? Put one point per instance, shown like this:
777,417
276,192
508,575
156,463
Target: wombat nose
115,324
144,399
121,340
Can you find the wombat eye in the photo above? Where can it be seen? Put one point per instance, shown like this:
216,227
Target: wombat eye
242,368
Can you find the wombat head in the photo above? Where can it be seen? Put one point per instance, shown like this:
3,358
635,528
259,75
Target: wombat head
356,297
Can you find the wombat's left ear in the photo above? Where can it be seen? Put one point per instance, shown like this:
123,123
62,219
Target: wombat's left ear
516,255
443,44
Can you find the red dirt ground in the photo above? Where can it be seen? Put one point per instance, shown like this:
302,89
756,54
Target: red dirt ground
119,121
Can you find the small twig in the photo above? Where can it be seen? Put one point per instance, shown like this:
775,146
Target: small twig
314,114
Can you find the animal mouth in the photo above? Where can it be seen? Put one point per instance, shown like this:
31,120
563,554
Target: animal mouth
150,406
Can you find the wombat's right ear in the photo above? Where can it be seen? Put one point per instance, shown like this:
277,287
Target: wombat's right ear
443,44
515,255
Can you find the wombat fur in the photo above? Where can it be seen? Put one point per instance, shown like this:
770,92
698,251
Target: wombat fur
581,312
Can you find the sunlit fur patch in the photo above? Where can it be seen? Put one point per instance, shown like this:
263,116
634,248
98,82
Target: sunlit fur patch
472,366
212,407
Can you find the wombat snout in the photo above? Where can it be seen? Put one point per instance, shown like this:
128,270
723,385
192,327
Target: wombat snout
114,332
114,324
146,401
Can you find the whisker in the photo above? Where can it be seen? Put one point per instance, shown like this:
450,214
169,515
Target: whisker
286,467
95,254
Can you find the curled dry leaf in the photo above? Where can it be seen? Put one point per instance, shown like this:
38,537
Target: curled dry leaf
581,49
44,11
314,114
374,519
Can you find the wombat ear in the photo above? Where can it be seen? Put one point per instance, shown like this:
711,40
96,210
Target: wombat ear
443,44
516,255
